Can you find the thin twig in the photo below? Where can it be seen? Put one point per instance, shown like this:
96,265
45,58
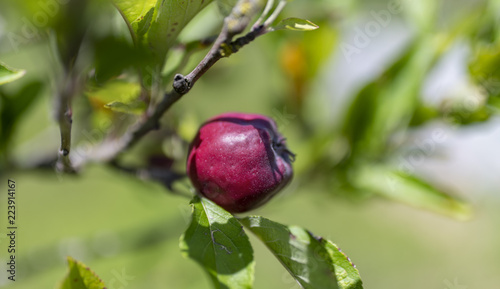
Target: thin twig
165,176
267,9
276,13
188,50
65,120
182,85
223,46
69,42
234,24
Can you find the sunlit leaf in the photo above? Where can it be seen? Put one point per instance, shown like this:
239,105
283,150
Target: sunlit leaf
115,96
423,114
80,277
347,274
136,13
216,240
8,74
134,107
170,18
120,91
156,24
399,186
303,255
295,24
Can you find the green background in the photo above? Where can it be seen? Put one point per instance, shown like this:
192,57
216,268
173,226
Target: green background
114,223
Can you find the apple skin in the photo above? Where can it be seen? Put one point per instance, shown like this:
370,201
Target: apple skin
239,161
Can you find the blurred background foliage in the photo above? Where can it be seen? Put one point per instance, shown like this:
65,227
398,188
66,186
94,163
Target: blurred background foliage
387,100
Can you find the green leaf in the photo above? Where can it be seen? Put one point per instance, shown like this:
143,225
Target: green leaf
142,26
113,97
483,68
80,277
136,13
134,107
295,24
347,274
8,74
216,240
170,17
156,24
359,116
114,91
303,255
410,190
13,107
113,55
387,104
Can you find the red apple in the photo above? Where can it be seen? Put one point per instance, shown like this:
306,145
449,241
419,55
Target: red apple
239,161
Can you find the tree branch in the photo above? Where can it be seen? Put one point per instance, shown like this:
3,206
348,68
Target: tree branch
223,46
69,35
64,116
